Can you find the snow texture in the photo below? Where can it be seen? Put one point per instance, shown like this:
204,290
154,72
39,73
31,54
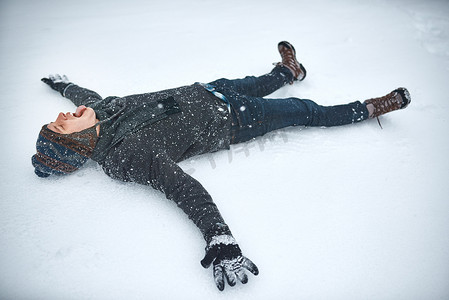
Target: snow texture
222,239
353,212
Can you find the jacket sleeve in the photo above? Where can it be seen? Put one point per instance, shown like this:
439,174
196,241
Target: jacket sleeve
133,161
81,96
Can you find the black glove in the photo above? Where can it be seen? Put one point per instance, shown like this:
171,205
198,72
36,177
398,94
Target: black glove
228,261
57,82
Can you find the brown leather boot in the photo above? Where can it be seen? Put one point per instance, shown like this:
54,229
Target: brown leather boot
397,99
288,55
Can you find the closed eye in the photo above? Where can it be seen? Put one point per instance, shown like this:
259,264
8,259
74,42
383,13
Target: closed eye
55,128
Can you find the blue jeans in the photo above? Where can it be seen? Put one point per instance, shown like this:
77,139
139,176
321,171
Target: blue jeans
253,115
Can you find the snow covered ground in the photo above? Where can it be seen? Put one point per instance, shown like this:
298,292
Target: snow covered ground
354,212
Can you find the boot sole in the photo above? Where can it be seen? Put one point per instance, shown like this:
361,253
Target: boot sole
287,45
405,95
304,71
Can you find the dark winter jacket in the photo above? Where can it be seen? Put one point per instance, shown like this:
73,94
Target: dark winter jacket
144,136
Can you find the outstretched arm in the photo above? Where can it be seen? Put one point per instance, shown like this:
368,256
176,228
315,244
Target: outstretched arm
137,160
130,163
78,95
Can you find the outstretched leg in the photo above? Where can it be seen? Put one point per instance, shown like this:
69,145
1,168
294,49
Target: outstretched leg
285,72
253,86
253,116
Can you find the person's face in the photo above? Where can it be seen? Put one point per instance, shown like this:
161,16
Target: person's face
83,118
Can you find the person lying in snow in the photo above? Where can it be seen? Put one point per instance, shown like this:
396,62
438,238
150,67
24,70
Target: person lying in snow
141,138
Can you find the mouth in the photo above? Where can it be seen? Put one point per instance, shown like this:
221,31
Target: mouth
79,111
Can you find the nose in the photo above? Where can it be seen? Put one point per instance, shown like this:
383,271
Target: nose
61,117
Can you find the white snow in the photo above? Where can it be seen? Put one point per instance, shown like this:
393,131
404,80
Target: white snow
354,212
